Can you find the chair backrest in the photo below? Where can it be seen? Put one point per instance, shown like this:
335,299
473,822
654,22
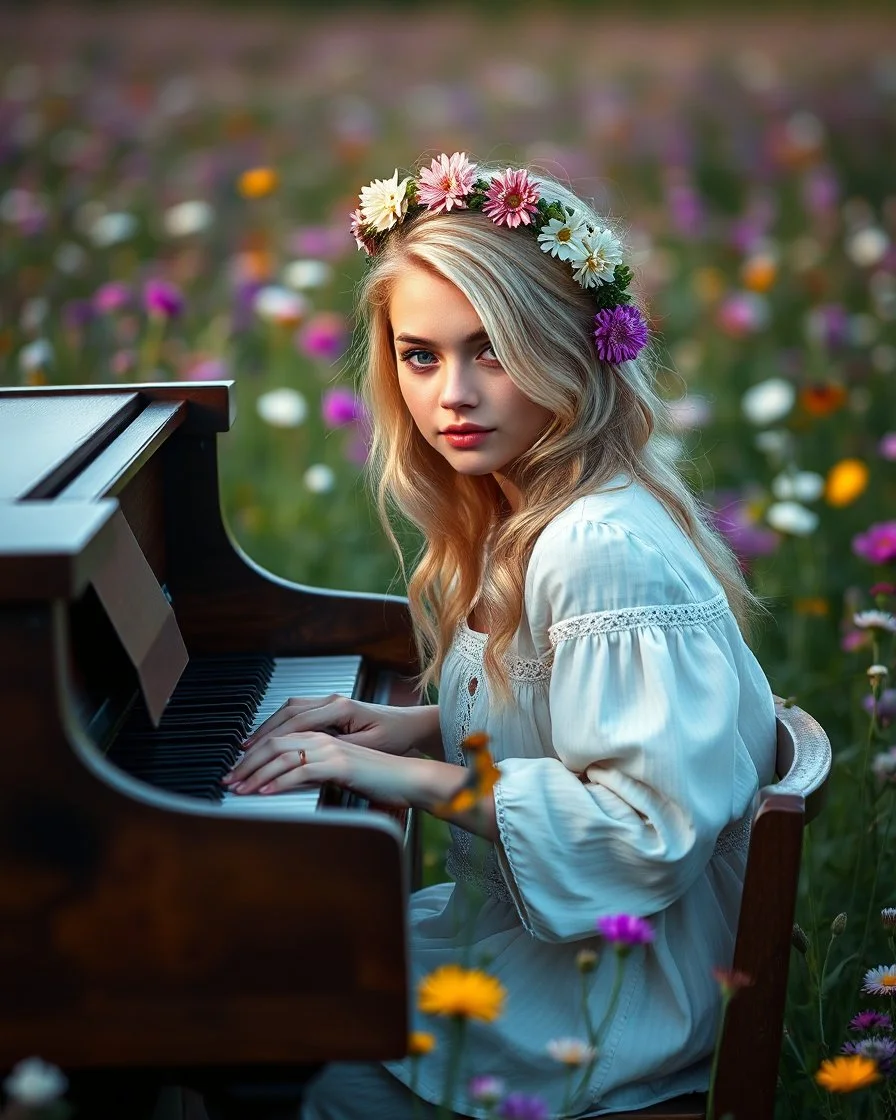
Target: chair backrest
751,1045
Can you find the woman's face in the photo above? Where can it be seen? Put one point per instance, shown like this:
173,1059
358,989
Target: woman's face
457,392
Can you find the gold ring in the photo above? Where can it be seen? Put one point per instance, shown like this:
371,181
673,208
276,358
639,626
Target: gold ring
303,758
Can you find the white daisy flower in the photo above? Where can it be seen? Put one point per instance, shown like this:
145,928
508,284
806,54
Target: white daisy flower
187,218
800,486
562,239
384,202
595,257
319,478
880,981
36,355
792,518
571,1051
875,620
112,229
305,274
769,401
282,408
279,305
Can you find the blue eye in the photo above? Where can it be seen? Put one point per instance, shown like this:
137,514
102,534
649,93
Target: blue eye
410,358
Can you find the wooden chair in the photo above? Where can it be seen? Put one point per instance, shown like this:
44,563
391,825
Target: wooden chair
751,1043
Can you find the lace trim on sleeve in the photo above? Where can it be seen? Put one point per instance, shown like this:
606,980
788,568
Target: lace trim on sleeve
667,616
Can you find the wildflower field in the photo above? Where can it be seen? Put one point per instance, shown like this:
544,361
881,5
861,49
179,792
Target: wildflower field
174,200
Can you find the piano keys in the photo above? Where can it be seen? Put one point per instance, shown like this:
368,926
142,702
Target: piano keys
149,920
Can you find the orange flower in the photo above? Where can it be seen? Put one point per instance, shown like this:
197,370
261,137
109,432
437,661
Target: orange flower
731,980
822,399
759,272
845,1074
258,182
845,482
420,1043
812,605
467,993
482,778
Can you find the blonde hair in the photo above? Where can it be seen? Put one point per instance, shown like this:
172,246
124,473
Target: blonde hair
607,419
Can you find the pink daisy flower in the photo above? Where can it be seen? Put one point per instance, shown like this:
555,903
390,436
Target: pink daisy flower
446,183
511,199
359,226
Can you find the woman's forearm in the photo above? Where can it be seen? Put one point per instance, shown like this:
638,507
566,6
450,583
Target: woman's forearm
433,785
428,734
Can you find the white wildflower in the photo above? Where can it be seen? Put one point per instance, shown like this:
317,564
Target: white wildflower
36,355
187,218
875,620
562,239
877,674
319,478
594,258
112,228
791,517
867,247
279,305
571,1051
307,274
33,313
70,258
384,202
800,486
774,442
282,408
34,1083
769,401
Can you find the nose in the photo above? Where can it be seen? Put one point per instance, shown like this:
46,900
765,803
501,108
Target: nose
458,389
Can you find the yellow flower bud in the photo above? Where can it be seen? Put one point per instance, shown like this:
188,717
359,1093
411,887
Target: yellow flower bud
845,482
258,182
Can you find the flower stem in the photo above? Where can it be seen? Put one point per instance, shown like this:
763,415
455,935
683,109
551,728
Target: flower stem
152,342
455,1052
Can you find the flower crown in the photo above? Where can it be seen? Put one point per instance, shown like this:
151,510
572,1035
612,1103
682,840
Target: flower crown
513,199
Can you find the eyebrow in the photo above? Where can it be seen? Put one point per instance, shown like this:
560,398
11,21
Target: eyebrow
476,336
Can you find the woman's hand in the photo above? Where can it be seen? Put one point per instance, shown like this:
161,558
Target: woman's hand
293,761
392,730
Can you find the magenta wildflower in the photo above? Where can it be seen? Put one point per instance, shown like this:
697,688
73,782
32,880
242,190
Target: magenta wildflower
625,930
886,706
887,446
323,337
511,199
111,297
162,299
362,239
620,333
446,182
734,519
339,407
207,369
877,544
871,1021
520,1106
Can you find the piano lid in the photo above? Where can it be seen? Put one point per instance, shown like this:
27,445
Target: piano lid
45,440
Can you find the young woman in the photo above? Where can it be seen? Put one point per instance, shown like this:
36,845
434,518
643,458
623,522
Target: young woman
571,602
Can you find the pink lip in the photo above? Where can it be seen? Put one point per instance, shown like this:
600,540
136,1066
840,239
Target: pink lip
465,438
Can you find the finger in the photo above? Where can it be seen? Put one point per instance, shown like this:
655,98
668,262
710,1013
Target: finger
287,768
255,759
302,714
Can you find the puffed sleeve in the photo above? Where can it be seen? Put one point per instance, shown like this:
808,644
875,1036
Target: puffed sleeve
643,706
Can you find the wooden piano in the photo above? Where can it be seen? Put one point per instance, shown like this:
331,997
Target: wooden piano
147,923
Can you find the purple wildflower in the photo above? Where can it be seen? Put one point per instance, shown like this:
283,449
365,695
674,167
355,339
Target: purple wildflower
340,407
77,313
620,333
162,299
111,297
749,538
625,930
881,1049
323,337
871,1021
887,446
886,706
520,1106
485,1089
206,369
877,544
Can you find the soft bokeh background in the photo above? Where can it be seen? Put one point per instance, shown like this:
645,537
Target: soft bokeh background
751,160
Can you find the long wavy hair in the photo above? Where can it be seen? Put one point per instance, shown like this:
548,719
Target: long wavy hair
607,419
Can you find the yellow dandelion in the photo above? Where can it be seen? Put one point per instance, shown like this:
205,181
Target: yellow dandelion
467,993
258,182
845,482
420,1043
846,1074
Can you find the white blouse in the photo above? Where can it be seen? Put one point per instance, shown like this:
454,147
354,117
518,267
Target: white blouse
640,730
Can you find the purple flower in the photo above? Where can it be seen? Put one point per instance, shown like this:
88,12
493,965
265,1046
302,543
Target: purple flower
324,242
77,313
520,1106
207,369
619,333
339,407
162,299
485,1089
111,297
881,1049
748,538
323,337
870,1021
887,446
625,930
877,544
886,709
